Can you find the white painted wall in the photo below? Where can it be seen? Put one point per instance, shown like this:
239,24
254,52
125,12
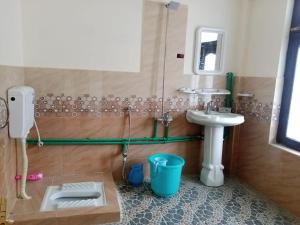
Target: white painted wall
106,34
10,33
79,34
216,14
257,33
267,33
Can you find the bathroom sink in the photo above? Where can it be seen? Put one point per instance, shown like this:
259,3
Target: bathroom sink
214,122
214,118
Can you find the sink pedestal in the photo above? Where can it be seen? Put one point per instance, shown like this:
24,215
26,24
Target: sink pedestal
212,171
214,122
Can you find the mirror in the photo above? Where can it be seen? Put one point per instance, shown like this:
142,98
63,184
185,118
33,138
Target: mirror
209,51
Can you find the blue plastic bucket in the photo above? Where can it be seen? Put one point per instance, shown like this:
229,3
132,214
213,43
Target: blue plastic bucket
165,174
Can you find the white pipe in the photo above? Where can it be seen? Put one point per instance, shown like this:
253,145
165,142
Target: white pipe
23,194
164,68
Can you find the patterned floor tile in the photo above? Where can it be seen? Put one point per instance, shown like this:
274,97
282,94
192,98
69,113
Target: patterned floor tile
196,204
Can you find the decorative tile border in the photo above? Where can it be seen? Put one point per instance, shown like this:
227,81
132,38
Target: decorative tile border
86,105
250,107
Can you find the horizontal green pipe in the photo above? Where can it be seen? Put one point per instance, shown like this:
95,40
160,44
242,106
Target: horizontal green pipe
115,141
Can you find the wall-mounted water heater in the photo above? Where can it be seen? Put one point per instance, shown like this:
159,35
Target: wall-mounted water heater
21,120
21,111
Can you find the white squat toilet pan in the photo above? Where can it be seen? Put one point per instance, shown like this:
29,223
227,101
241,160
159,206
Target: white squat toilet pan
74,195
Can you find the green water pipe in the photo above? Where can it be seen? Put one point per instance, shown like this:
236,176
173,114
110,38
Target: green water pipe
115,141
124,150
155,128
138,141
120,141
167,131
229,87
229,99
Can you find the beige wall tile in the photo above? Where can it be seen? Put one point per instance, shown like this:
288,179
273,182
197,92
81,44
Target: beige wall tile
9,77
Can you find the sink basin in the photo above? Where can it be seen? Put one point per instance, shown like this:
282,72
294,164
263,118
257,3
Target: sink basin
214,122
214,118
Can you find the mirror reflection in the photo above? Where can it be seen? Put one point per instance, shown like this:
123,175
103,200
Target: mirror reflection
208,54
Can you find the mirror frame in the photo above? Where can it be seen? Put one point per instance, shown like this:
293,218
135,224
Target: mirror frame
220,52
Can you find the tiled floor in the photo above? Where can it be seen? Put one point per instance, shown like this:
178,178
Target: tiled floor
196,204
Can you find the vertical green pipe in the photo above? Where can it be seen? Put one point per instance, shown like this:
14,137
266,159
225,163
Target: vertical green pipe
155,128
124,150
229,99
167,131
229,86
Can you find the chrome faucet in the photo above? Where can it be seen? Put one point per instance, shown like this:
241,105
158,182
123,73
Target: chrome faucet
166,119
209,107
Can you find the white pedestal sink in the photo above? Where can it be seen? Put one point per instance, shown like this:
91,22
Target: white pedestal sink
214,122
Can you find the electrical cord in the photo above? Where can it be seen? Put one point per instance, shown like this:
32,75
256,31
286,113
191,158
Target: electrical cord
39,143
7,114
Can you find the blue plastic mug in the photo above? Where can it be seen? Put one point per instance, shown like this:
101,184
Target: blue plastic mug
136,175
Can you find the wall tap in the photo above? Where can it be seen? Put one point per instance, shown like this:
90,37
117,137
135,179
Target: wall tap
128,109
166,119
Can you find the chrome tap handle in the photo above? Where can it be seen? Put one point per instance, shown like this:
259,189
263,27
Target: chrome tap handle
166,119
209,107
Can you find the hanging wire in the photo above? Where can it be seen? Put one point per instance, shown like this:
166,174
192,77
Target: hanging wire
7,114
40,143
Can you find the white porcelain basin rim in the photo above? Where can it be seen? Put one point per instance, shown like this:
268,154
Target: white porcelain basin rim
215,119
